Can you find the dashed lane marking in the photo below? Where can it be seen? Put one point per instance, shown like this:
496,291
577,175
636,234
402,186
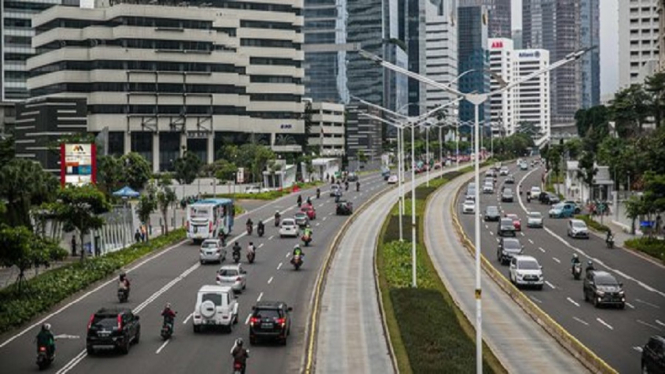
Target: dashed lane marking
573,302
279,266
649,325
270,280
581,321
550,285
605,323
260,297
556,259
162,346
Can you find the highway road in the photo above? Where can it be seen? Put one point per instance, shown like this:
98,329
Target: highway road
175,275
614,335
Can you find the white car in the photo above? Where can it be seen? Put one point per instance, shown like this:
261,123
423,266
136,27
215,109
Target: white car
288,227
255,189
233,276
534,219
535,192
469,206
212,251
392,179
526,271
578,229
503,171
488,188
215,306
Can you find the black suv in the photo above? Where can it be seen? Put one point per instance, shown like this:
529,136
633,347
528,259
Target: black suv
270,320
113,328
653,355
492,213
548,198
602,288
506,226
508,248
344,208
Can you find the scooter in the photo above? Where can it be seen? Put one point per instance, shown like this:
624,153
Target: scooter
44,360
250,257
610,242
260,230
123,293
297,261
239,367
577,270
236,256
167,329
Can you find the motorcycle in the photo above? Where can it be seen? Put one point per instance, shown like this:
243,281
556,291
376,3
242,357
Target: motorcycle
249,229
577,270
260,230
357,187
610,242
318,193
236,256
297,261
44,360
167,329
306,239
123,293
277,217
238,367
250,257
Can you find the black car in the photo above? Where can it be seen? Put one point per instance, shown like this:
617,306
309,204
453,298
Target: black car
602,288
506,227
548,198
508,248
344,208
492,213
653,355
270,320
507,195
113,328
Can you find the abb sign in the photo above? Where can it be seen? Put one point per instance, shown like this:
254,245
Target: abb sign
497,44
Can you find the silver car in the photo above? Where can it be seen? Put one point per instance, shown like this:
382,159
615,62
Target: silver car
212,251
233,276
534,219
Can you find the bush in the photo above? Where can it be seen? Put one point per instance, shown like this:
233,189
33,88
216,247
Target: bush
270,195
48,289
592,223
654,247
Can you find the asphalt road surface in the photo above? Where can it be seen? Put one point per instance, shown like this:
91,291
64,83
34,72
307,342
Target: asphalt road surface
175,275
614,335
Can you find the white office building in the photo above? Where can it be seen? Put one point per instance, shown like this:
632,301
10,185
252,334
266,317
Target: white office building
327,131
638,40
502,106
161,78
532,98
441,49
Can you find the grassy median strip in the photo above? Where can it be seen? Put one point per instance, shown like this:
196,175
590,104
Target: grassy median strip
653,247
48,289
428,331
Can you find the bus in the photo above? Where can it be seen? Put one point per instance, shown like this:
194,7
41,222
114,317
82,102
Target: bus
206,219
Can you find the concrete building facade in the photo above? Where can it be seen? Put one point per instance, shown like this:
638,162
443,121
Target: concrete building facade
363,133
590,37
441,50
532,99
502,106
327,131
639,26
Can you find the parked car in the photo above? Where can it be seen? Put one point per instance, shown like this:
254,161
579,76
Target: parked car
526,271
344,208
112,329
516,221
288,227
578,229
270,320
507,195
301,219
309,211
653,355
508,247
601,288
492,213
233,276
212,250
562,210
506,227
534,219
216,306
393,179
469,206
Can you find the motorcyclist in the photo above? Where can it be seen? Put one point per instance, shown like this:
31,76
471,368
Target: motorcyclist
240,354
277,217
260,227
318,193
168,314
308,232
297,251
251,249
575,259
236,248
589,266
299,200
357,185
609,236
346,185
309,201
46,339
123,281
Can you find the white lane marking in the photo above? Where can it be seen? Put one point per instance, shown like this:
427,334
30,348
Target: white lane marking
534,298
550,284
168,286
322,204
287,254
324,218
631,306
491,233
318,223
573,301
649,325
260,245
487,227
530,241
541,249
270,238
660,323
187,319
647,303
279,266
260,297
521,233
331,213
622,274
498,240
73,362
581,321
556,259
162,347
270,280
66,336
248,317
639,349
604,323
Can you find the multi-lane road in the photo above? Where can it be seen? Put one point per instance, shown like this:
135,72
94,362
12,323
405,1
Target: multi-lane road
174,275
614,335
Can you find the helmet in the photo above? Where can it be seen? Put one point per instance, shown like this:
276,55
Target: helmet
590,263
46,327
122,275
574,255
250,243
277,212
296,246
239,342
167,306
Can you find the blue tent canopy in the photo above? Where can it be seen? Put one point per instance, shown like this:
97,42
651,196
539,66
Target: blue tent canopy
126,192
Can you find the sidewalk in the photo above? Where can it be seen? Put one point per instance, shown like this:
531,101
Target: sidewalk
620,231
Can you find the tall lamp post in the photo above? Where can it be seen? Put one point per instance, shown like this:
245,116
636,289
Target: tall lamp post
477,99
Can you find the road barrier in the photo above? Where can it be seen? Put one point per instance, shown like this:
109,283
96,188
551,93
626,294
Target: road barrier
583,354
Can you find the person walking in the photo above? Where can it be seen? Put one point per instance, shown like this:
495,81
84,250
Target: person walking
74,245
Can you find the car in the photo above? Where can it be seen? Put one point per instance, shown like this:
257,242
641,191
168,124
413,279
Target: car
524,166
212,250
301,219
352,177
526,271
535,191
333,190
490,174
653,355
270,320
510,179
309,211
562,210
549,198
516,221
507,195
471,191
492,213
508,247
506,226
601,288
488,188
255,189
504,171
288,227
216,306
489,181
233,276
577,205
392,179
344,208
534,219
469,206
578,229
112,329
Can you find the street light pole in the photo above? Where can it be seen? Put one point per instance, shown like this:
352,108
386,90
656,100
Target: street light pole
427,151
413,209
400,147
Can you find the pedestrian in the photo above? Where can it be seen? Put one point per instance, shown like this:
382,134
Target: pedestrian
74,245
137,235
143,232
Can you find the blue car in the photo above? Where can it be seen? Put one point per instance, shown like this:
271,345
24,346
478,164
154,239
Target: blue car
562,210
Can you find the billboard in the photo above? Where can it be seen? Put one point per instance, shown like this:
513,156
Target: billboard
78,164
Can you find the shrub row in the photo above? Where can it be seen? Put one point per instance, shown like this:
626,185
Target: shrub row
270,195
652,246
593,224
48,289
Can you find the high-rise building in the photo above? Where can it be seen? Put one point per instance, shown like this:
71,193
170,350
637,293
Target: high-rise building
502,106
661,35
16,34
473,54
532,98
638,41
363,133
412,32
517,39
327,132
500,18
441,50
590,37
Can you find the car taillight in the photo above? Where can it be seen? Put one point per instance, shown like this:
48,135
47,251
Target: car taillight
42,349
281,321
209,226
90,321
254,320
119,322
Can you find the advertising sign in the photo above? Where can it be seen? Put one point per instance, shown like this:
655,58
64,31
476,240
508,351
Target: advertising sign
78,164
240,176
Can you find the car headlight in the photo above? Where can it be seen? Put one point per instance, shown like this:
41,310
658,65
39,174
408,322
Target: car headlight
600,293
520,276
621,293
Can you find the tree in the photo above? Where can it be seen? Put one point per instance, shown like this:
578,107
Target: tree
655,87
587,169
553,157
20,247
7,149
80,207
24,184
137,170
165,198
187,167
630,110
573,147
110,174
362,157
612,152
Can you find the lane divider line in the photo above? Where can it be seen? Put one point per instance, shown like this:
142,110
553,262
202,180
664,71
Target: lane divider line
550,285
604,323
247,319
581,321
162,346
573,301
279,266
631,306
556,259
260,297
649,325
187,319
270,280
541,249
271,236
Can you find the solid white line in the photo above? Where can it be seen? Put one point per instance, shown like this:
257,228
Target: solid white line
530,241
279,266
187,319
660,323
270,280
163,345
580,321
605,323
541,249
550,284
259,298
631,306
270,238
648,324
556,259
573,301
72,363
248,317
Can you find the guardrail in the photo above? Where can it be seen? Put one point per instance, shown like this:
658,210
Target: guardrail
583,354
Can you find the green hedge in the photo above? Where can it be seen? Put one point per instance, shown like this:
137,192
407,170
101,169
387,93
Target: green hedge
270,195
593,224
44,291
652,246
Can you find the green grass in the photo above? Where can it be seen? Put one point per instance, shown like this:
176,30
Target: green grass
653,247
592,223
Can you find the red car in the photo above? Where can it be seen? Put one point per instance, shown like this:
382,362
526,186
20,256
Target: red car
310,211
516,221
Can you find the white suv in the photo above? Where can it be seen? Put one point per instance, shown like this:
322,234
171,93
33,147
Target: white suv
288,228
526,271
215,306
578,229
